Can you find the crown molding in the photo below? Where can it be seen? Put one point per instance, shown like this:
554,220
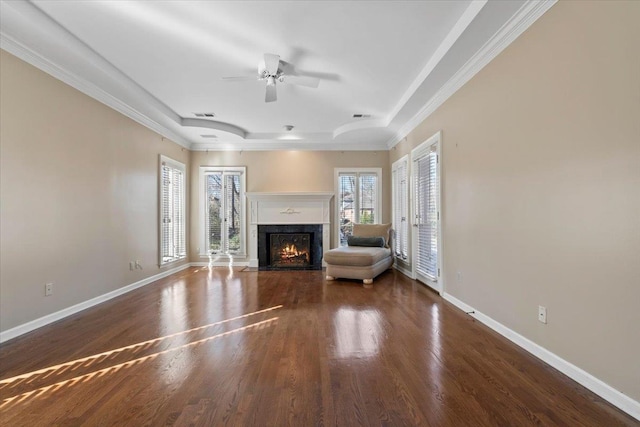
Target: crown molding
458,29
286,145
247,142
215,125
523,19
24,53
161,119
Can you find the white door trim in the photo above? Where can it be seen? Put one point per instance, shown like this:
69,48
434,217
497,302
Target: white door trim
425,147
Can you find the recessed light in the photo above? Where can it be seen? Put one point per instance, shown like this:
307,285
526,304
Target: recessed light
209,136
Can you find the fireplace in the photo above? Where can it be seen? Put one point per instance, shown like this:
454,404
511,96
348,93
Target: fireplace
286,214
290,247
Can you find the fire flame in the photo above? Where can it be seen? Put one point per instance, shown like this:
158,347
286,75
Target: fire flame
291,251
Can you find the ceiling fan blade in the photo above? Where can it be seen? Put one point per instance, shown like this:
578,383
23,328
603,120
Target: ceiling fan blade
271,63
239,78
302,81
270,95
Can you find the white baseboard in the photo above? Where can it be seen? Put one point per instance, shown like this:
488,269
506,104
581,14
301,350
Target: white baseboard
61,314
58,315
199,264
602,389
219,264
582,377
403,270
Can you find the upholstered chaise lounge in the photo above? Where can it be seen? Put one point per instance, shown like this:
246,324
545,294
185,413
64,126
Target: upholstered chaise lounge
367,255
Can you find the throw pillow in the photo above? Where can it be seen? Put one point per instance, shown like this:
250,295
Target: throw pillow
373,230
372,242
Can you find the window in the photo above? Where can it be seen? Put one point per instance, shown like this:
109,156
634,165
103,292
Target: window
400,200
223,210
358,199
172,211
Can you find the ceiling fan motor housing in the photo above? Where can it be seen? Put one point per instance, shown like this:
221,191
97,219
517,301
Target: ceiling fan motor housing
272,70
264,73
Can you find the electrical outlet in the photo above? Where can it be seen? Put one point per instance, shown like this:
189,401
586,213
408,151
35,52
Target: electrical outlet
542,314
131,265
48,289
459,276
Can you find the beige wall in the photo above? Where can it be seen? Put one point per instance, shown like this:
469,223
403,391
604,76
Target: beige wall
541,187
79,185
541,171
287,171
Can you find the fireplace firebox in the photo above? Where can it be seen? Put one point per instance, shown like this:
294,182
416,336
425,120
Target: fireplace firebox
290,247
290,250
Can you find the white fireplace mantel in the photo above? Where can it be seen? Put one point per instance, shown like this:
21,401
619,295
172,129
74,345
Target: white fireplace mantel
287,208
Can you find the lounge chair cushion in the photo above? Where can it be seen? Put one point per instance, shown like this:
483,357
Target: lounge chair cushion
356,255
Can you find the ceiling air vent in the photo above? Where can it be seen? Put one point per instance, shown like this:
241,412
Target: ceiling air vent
209,136
204,115
361,116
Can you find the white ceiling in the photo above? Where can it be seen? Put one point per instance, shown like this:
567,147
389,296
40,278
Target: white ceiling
161,62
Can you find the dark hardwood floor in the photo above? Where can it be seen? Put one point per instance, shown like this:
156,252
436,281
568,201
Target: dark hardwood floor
221,347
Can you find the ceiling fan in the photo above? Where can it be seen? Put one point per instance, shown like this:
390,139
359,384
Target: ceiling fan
273,70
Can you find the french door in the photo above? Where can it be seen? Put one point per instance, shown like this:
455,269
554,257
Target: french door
222,210
426,235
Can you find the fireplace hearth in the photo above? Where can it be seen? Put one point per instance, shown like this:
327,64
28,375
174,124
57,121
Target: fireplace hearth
290,247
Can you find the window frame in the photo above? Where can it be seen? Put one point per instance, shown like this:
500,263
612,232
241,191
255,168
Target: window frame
202,196
357,171
174,164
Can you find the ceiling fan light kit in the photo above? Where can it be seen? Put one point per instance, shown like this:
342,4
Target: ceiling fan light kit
271,70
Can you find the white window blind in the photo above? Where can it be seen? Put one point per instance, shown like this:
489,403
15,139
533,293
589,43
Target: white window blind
426,213
358,200
224,210
233,222
172,211
400,200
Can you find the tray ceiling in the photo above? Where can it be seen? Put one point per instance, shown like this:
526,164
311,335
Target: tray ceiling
162,63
